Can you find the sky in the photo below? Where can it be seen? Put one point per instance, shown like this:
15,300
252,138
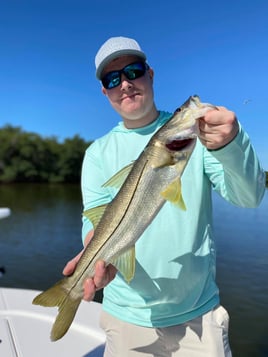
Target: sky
216,49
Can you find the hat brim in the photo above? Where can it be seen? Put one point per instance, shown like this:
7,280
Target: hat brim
115,55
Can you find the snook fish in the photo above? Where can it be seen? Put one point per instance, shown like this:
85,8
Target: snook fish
146,185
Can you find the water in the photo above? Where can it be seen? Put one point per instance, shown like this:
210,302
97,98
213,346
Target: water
43,233
242,272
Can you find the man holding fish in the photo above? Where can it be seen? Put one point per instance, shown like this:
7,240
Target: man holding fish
147,224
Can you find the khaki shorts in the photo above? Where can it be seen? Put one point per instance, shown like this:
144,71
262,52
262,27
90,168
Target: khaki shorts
205,336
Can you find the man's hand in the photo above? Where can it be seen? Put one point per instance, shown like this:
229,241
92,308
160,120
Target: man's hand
103,276
218,128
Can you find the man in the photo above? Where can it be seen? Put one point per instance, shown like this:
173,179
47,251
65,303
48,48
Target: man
171,307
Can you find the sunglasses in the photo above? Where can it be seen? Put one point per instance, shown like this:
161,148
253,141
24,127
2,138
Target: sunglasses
131,71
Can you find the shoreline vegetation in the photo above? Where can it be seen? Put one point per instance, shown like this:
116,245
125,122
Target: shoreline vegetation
29,157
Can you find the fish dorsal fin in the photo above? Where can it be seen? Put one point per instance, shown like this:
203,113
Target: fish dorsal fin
118,179
125,263
173,194
94,214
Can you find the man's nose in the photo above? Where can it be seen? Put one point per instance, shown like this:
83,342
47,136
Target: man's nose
125,82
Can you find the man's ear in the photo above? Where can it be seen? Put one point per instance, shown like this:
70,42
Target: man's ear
104,91
151,73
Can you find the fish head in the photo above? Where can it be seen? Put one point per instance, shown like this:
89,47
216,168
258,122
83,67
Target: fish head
181,130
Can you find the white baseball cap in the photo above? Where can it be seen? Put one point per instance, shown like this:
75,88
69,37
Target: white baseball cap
116,47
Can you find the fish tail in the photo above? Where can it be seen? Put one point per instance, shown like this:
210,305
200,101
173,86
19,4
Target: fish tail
67,304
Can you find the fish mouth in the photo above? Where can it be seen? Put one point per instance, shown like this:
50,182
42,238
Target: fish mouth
180,144
183,140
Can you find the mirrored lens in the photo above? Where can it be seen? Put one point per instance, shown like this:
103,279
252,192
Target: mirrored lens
134,70
111,80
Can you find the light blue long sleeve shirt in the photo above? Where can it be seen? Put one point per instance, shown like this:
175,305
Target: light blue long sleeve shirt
176,256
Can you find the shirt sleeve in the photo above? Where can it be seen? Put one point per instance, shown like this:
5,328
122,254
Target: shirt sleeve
236,173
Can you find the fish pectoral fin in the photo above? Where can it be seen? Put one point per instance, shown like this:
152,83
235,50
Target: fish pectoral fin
57,295
173,194
158,157
119,178
94,214
158,164
125,263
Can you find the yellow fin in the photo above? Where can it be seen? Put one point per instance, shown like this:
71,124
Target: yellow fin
57,295
125,263
118,179
159,157
94,214
173,194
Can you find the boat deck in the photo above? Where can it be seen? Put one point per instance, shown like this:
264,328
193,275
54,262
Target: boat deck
25,328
